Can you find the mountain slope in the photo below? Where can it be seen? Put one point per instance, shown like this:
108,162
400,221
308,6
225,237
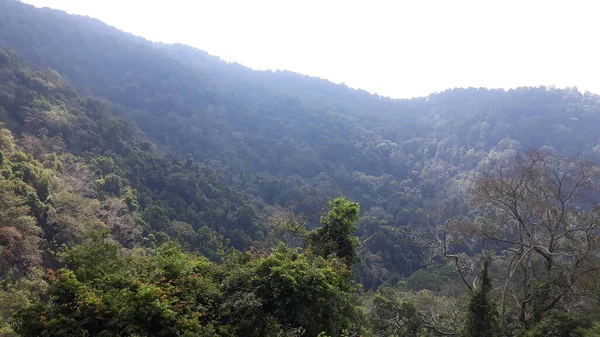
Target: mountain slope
294,141
106,202
44,112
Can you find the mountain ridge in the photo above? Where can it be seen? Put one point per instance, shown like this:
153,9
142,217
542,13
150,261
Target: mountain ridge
171,153
282,137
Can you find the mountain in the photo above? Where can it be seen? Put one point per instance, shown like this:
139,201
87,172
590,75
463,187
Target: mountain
167,142
39,106
296,141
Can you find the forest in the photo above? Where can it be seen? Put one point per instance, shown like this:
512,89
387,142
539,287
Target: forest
151,189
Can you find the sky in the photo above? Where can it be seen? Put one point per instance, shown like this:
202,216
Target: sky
394,48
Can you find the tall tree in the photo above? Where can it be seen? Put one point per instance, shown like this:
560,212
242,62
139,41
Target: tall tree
334,237
535,207
482,314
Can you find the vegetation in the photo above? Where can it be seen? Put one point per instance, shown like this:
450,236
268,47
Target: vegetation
106,292
481,313
155,190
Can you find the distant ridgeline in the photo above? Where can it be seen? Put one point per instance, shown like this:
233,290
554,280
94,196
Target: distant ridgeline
149,155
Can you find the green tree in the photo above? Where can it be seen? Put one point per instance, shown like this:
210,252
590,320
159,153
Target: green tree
334,237
593,331
95,259
563,324
290,291
482,314
112,183
168,294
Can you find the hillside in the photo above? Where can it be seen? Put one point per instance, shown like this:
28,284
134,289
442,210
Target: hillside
157,142
87,206
296,141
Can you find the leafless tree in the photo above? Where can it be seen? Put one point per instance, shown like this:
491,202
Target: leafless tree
33,145
123,226
79,179
446,239
539,210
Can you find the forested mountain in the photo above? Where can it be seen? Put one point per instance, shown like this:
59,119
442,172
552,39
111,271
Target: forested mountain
173,153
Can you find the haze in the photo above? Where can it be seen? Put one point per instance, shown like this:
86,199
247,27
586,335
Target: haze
393,48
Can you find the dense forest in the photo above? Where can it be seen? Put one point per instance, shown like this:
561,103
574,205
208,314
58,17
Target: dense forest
152,189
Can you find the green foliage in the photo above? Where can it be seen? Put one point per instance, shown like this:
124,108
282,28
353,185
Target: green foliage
210,243
482,315
131,199
593,331
156,217
16,295
112,184
23,186
7,142
561,324
292,289
95,259
434,279
167,295
118,154
334,237
106,165
173,293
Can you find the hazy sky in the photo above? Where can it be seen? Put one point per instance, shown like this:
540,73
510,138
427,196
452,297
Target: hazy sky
394,48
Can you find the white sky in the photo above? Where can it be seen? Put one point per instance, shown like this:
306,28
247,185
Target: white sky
394,48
